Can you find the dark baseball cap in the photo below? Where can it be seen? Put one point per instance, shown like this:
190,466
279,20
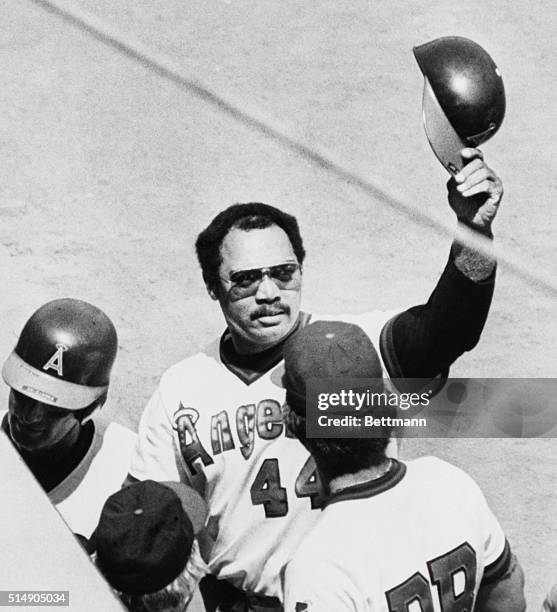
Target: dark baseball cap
332,350
145,535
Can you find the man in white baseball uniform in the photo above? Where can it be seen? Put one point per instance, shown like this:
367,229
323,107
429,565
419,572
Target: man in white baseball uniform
215,419
392,536
59,373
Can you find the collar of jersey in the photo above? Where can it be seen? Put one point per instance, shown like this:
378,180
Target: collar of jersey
248,368
362,490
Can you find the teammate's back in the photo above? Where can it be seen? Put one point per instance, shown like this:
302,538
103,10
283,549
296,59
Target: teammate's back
393,537
421,532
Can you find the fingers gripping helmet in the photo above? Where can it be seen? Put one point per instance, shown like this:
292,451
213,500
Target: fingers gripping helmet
64,355
464,97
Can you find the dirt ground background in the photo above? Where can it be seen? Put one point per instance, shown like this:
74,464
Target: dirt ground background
110,171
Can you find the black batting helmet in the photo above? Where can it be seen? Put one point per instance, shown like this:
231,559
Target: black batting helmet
64,355
464,96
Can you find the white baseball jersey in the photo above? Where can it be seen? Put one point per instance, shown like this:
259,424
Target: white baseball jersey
261,486
81,495
421,537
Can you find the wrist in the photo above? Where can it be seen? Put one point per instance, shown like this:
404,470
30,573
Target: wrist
484,229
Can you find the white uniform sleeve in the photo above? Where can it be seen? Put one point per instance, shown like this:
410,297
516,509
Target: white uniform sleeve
496,555
493,535
311,586
154,456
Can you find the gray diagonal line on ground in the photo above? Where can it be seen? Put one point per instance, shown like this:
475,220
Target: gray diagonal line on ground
163,66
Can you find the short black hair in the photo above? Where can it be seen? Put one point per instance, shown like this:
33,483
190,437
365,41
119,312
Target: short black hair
339,456
248,216
336,457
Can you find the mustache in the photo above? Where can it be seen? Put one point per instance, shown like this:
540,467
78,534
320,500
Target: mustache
270,310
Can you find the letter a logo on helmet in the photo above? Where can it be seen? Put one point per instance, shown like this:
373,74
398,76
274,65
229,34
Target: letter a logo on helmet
64,355
55,362
464,97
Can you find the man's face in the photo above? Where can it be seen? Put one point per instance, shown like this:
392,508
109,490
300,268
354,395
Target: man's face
263,318
36,427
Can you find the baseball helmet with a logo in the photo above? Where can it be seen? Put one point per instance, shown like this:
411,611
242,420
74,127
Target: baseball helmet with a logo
464,96
64,355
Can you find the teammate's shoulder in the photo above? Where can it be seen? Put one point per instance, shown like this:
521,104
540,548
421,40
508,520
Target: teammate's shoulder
438,470
121,431
431,463
205,358
111,430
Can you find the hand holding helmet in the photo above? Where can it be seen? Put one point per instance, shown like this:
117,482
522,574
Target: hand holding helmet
475,192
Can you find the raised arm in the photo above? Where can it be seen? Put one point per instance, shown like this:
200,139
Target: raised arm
475,195
424,341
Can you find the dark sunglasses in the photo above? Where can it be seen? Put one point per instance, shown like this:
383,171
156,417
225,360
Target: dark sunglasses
245,283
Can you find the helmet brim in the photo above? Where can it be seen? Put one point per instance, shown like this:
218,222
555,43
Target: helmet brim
442,137
44,388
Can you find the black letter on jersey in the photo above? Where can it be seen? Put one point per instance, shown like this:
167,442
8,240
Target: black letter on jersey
416,588
245,425
190,450
443,570
221,436
269,419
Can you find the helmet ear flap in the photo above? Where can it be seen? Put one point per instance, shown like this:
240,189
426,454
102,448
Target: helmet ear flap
464,98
